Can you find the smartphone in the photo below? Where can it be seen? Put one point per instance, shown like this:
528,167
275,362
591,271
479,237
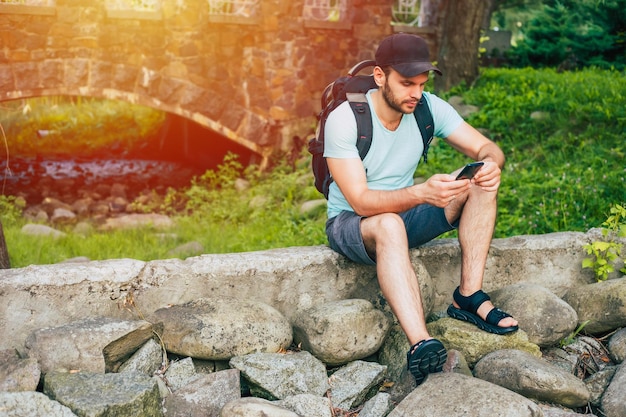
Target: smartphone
469,171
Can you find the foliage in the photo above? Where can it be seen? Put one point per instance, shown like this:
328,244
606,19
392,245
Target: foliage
564,148
11,209
38,126
574,34
572,336
605,253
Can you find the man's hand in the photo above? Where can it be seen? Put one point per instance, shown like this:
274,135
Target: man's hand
488,177
441,189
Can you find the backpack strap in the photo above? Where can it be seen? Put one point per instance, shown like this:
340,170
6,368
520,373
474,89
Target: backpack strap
362,113
424,119
363,116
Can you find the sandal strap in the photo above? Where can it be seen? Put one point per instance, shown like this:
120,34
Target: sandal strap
415,346
470,303
495,315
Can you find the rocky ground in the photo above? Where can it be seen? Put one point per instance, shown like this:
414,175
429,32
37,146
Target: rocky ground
210,371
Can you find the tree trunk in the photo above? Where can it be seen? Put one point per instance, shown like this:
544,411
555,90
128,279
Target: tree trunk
5,263
431,12
459,42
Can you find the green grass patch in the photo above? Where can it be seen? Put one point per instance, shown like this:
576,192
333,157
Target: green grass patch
562,134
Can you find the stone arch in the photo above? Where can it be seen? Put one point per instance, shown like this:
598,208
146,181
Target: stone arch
254,80
79,77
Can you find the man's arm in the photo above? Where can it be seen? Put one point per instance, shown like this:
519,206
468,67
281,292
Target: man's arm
349,175
475,145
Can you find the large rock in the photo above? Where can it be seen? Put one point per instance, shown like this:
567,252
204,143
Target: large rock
544,317
276,376
617,345
18,374
308,405
602,304
205,395
614,398
350,384
450,394
122,395
474,343
220,328
532,377
94,344
31,404
339,332
134,221
254,407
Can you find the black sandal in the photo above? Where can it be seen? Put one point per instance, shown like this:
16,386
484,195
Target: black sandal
426,357
468,312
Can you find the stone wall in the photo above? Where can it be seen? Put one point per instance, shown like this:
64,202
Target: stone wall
289,279
254,80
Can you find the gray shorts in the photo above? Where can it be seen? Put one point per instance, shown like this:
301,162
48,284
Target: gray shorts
422,223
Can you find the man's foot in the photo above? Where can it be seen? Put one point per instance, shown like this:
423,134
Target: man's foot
426,357
466,309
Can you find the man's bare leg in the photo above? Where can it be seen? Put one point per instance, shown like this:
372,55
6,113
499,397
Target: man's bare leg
476,229
385,240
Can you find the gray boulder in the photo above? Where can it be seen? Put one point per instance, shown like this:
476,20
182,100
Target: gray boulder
617,345
378,406
544,317
95,344
254,407
276,376
41,230
342,331
134,221
220,328
205,395
18,374
31,404
449,394
350,384
147,359
614,398
308,405
532,377
603,304
92,394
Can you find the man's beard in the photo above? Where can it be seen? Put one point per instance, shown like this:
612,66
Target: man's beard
391,100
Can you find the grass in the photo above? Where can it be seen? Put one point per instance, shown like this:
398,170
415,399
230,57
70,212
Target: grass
562,133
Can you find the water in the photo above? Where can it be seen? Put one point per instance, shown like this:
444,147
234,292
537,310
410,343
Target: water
36,178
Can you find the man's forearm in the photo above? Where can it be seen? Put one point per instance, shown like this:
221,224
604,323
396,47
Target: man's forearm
492,152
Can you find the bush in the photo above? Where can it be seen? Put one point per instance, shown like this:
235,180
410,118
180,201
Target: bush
574,34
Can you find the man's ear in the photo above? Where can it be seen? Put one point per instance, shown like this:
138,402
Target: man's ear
379,76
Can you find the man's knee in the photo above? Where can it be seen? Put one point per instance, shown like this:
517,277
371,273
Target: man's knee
383,224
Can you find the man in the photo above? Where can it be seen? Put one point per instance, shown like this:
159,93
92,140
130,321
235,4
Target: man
376,213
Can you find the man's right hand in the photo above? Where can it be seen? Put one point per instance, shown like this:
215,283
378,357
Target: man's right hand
441,189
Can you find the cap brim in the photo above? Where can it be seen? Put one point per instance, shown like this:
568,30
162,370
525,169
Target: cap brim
411,69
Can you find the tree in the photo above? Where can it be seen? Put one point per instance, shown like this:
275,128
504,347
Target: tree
459,41
5,263
459,26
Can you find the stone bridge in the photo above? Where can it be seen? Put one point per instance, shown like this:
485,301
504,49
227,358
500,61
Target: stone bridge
250,70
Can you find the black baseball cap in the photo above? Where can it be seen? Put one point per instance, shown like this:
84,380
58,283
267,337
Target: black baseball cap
405,53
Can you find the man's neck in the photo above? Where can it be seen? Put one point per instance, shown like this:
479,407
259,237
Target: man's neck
389,117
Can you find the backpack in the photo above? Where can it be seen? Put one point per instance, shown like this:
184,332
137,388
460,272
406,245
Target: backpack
352,87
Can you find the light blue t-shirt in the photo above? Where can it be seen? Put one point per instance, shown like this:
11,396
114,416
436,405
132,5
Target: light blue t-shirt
393,156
